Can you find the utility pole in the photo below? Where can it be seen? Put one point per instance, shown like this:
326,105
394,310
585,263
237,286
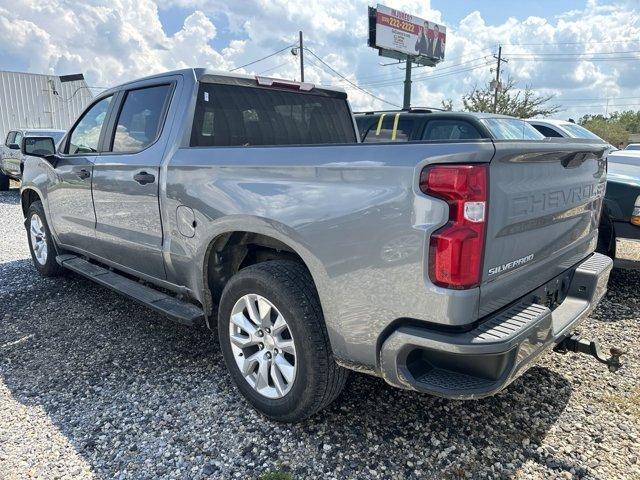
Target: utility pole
406,104
497,86
301,50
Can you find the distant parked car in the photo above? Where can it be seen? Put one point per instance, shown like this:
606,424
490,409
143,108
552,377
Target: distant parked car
633,146
562,129
11,156
621,212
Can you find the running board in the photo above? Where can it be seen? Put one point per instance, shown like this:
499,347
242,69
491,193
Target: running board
178,310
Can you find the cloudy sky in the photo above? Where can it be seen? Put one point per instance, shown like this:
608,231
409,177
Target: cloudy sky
586,52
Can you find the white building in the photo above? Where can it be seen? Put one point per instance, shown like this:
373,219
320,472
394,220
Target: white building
29,100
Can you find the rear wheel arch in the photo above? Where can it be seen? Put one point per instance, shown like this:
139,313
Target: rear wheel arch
230,252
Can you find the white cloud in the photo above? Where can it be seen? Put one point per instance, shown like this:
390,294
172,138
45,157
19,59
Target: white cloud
113,41
109,41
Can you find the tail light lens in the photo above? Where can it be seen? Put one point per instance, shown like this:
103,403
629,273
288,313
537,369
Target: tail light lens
456,250
635,215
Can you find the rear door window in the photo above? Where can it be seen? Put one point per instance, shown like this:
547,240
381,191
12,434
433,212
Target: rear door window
450,130
140,119
233,115
390,127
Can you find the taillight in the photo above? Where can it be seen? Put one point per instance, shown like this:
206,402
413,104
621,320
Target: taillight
635,215
456,250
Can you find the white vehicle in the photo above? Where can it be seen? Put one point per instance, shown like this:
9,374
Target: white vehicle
633,146
562,128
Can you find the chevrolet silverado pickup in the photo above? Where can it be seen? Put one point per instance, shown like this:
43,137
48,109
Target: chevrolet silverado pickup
249,204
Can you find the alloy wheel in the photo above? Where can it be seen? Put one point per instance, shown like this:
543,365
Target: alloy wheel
263,346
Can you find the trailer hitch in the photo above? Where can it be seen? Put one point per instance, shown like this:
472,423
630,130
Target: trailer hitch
575,343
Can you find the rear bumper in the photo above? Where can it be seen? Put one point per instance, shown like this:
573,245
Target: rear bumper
485,360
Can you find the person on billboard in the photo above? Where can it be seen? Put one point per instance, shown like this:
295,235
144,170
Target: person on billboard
437,44
424,42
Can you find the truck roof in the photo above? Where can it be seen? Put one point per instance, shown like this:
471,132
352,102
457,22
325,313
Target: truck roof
197,73
436,111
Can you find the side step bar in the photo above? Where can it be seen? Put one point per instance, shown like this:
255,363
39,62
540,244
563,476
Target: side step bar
180,311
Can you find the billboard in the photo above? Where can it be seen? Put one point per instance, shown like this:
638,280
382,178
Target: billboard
398,34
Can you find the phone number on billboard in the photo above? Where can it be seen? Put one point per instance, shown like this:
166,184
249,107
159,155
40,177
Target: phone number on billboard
400,24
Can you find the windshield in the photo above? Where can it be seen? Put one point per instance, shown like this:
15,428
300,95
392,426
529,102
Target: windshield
577,131
511,129
633,146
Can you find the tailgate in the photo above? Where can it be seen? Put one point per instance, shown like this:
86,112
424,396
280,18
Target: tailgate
544,208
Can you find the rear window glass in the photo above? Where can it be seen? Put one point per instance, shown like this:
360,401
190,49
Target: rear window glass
450,130
232,115
10,138
389,128
577,131
511,129
546,131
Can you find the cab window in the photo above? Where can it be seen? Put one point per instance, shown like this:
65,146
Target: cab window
390,127
233,115
450,130
18,139
10,137
85,136
140,119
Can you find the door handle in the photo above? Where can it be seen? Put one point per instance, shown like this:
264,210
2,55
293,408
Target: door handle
143,178
83,173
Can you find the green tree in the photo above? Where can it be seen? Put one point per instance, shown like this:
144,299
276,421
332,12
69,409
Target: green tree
447,104
611,128
511,101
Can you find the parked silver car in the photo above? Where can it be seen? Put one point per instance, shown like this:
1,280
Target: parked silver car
11,156
443,266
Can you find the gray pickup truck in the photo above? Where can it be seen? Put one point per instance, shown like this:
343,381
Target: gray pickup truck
249,204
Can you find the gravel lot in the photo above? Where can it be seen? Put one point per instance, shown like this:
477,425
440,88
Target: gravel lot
93,385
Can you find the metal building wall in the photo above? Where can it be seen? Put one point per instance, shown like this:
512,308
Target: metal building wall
29,100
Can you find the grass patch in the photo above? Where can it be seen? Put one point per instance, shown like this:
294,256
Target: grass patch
276,476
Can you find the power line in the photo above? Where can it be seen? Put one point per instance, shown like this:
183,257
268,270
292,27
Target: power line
436,69
434,76
571,54
603,105
607,42
289,60
534,58
263,58
349,81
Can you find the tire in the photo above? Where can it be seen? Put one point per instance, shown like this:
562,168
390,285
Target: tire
288,289
4,182
606,237
41,244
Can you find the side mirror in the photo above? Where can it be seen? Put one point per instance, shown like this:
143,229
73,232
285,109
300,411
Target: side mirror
14,146
38,146
43,147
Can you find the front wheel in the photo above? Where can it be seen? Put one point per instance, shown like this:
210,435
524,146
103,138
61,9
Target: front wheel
41,243
274,341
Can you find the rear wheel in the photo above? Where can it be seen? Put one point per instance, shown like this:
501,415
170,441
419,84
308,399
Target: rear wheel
274,341
4,182
41,243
